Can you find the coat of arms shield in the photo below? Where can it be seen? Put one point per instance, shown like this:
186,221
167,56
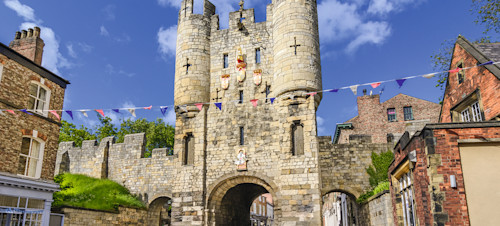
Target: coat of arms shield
257,77
241,67
224,81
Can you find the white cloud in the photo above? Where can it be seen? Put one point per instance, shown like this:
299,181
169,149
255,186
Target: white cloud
383,7
110,69
109,12
173,3
52,57
85,47
320,124
123,38
23,11
169,118
340,21
167,38
104,31
71,51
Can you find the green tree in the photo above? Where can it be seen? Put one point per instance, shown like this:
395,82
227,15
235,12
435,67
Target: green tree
105,129
69,132
379,168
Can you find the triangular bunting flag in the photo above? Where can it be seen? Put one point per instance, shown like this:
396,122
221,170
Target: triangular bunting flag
12,112
148,108
333,90
55,114
400,82
312,94
116,110
382,90
272,100
354,89
84,113
219,105
199,106
487,63
254,102
26,111
455,70
429,75
100,112
132,111
375,84
70,114
163,110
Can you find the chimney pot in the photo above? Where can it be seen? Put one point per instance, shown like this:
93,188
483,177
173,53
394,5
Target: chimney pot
24,33
30,32
18,35
37,32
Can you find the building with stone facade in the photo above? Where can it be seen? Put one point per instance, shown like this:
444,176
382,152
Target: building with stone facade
28,141
386,122
446,174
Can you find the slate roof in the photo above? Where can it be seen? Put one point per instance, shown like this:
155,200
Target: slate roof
483,53
491,50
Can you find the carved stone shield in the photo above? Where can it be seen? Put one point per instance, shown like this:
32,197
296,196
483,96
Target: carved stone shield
241,67
224,81
257,77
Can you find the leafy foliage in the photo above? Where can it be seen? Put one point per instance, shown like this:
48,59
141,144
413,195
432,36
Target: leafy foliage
382,186
159,134
441,61
69,132
87,192
488,13
379,168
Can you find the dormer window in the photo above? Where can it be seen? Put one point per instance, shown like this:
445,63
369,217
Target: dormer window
38,99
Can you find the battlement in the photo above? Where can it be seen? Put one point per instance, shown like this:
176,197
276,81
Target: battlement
92,158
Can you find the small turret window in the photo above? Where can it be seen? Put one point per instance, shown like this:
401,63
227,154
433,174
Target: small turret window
241,97
257,56
297,138
226,60
189,149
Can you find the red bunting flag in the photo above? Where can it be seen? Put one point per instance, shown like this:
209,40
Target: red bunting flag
455,70
12,112
199,106
148,108
55,114
313,93
254,102
375,84
100,112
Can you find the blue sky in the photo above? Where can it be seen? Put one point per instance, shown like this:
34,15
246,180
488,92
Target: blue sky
121,53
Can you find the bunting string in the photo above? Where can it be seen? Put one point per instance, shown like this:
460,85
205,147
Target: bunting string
254,102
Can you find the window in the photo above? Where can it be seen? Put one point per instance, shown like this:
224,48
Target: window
391,114
189,149
21,210
476,112
469,110
407,201
465,115
241,97
297,138
38,99
257,56
408,112
242,136
30,159
460,74
1,70
226,60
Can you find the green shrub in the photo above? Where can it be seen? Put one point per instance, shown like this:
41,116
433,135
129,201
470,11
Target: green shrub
379,168
382,186
87,192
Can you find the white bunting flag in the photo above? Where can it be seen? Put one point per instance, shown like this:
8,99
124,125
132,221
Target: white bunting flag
429,75
84,112
132,111
354,89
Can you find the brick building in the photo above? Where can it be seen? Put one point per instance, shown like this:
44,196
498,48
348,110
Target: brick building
385,122
261,211
28,141
447,173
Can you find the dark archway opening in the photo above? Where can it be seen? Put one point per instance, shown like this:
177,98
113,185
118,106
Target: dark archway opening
65,162
340,209
236,203
160,211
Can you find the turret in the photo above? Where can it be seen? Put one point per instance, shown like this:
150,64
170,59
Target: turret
296,47
29,44
192,65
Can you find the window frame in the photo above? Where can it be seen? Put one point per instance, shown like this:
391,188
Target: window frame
388,115
461,73
294,127
36,99
1,72
240,101
187,161
476,112
410,113
258,56
466,107
41,151
225,60
242,135
403,184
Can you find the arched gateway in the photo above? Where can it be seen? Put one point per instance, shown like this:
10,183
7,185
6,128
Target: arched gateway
230,200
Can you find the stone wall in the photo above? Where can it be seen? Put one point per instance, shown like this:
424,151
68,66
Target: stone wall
343,166
124,216
377,210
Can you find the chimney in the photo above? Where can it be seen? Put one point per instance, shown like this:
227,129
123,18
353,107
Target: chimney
29,44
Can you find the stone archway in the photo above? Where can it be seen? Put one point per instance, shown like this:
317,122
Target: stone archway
159,211
340,208
230,200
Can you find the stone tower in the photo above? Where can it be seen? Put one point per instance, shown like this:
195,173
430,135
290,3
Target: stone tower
29,44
